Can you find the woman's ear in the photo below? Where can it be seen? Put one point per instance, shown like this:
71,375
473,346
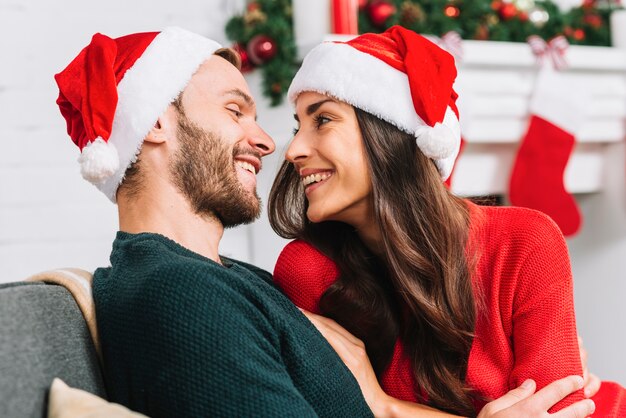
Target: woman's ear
161,131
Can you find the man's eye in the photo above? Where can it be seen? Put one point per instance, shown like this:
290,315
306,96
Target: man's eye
236,112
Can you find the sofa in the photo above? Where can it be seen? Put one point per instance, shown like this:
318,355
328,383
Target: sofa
43,334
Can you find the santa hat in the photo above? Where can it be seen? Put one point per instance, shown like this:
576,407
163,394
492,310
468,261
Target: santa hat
114,91
398,76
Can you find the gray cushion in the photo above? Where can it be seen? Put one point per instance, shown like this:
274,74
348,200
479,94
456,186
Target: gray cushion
42,336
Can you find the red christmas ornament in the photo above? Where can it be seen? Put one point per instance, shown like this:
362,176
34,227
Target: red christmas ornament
496,5
579,34
452,11
261,48
593,20
589,4
252,7
363,4
508,11
380,11
246,65
523,16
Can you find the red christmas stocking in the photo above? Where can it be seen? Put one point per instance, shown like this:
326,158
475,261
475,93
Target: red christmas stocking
537,177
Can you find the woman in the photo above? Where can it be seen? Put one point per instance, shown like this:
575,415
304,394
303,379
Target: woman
455,303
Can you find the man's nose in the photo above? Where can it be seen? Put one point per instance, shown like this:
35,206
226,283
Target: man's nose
261,141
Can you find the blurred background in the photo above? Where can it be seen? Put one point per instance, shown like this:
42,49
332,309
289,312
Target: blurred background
50,217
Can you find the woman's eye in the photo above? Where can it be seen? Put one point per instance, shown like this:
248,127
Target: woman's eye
321,120
295,131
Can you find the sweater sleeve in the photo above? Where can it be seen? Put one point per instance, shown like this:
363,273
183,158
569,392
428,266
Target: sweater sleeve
543,322
221,354
304,274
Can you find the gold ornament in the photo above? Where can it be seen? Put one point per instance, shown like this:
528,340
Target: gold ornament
411,13
254,17
492,20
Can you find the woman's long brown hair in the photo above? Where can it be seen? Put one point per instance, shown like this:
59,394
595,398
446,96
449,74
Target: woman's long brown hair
420,289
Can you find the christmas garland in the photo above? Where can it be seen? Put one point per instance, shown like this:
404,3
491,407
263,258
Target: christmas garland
265,22
493,20
255,34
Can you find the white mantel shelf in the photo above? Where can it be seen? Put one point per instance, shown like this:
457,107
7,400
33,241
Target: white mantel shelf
519,55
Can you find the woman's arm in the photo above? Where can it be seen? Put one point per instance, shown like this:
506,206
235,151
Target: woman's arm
521,402
542,319
304,274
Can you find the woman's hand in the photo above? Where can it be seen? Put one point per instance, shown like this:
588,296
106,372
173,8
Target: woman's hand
521,402
524,402
352,351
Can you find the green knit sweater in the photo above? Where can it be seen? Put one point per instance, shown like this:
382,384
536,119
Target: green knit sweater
183,336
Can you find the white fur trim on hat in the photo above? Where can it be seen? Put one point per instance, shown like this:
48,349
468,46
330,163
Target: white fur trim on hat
98,161
148,88
368,83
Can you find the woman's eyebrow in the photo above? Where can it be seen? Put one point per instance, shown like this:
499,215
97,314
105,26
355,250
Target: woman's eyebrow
312,108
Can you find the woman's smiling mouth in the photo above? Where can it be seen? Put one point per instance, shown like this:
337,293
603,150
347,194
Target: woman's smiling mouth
312,179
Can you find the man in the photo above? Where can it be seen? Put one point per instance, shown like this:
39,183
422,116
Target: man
167,130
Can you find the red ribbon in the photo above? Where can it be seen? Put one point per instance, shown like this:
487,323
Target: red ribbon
345,17
554,50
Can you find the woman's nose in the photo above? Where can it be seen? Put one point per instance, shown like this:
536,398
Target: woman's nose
298,149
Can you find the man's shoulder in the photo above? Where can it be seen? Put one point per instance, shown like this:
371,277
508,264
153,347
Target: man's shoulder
156,257
141,264
178,295
252,268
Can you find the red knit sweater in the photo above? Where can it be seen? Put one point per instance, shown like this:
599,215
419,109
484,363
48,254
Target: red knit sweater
527,327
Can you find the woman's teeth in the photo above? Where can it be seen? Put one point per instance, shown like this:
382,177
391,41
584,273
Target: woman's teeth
315,178
246,166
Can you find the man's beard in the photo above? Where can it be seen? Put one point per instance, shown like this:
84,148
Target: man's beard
203,169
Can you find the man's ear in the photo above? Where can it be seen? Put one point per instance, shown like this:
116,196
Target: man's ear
160,132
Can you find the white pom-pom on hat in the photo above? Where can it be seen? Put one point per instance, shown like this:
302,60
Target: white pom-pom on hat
437,142
442,140
98,161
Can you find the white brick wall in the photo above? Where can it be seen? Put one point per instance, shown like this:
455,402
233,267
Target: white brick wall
49,216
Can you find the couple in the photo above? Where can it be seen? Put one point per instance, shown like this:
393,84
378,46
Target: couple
442,302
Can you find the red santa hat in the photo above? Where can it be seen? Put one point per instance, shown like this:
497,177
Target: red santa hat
113,92
398,76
